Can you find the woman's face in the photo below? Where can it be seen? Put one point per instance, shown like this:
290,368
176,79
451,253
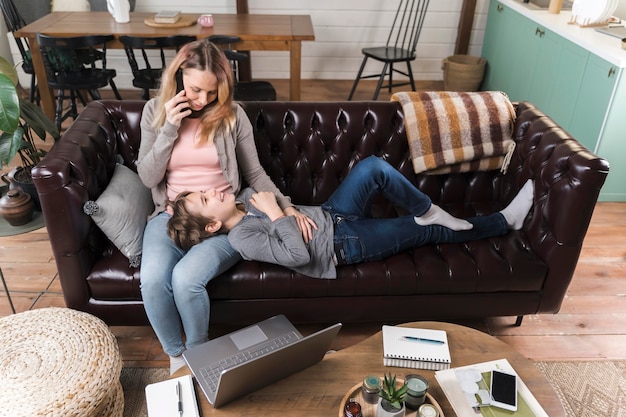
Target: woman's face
200,88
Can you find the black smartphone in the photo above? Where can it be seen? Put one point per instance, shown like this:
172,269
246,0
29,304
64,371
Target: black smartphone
179,81
503,390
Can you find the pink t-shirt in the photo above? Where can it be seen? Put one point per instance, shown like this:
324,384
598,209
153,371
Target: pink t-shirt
193,167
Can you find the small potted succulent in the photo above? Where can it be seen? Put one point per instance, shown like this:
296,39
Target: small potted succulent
392,397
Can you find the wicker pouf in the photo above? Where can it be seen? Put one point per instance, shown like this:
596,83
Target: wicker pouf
58,362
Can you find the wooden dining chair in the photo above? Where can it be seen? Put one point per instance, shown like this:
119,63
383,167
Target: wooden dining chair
76,64
400,47
255,90
147,58
14,21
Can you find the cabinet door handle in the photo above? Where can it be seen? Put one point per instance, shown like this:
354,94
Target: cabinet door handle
540,32
499,8
611,72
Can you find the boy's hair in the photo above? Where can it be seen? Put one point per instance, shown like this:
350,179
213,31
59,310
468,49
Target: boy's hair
184,228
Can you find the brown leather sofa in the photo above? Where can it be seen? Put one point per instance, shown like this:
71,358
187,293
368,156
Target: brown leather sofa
307,148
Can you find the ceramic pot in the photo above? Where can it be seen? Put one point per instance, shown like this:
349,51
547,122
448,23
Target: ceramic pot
16,207
19,179
384,410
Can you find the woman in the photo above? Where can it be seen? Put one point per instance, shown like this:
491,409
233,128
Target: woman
193,138
260,230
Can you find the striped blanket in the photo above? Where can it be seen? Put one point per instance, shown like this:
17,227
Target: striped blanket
458,131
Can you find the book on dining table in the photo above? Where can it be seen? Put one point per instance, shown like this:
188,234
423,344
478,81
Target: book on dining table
167,16
409,347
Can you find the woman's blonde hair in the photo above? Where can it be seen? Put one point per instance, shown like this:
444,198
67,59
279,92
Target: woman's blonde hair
184,228
201,55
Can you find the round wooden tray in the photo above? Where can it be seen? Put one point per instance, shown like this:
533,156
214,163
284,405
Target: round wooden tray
369,410
184,21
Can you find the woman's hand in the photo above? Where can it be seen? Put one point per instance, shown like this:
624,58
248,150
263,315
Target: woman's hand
265,201
177,108
305,223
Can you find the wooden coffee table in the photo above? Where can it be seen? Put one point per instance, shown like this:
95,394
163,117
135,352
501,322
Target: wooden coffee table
318,390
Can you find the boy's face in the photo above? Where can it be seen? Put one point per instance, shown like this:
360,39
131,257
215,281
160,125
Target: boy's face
212,204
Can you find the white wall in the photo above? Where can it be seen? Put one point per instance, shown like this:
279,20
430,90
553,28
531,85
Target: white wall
342,28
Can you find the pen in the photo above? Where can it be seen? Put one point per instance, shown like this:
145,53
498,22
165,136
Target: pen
422,339
180,398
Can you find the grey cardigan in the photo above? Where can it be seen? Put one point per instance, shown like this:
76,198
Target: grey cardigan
280,242
237,156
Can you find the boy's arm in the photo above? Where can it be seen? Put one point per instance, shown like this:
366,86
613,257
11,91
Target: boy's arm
278,242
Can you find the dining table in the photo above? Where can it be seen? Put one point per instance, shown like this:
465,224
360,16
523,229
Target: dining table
257,32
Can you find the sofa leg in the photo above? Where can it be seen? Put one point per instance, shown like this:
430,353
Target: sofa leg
518,321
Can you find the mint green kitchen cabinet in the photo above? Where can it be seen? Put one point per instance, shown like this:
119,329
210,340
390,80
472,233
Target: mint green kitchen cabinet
592,102
563,76
530,62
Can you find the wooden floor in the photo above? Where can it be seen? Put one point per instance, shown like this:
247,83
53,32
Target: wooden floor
590,325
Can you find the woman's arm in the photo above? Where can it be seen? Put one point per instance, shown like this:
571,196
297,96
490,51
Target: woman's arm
155,149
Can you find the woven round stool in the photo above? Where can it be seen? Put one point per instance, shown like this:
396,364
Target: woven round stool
59,362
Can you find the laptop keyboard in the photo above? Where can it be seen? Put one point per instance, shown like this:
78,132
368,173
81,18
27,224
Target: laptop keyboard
211,373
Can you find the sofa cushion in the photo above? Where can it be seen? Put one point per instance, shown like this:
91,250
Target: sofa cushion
121,212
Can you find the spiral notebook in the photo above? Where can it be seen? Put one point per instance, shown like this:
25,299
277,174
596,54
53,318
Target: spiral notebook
408,347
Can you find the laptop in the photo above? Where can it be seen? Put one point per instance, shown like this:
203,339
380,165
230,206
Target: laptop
236,364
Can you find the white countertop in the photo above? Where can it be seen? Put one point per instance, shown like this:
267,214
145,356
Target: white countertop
605,46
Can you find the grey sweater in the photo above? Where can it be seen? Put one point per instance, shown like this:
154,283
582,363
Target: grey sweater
280,242
237,156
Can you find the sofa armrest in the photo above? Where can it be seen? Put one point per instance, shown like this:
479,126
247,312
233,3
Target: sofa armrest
77,169
568,179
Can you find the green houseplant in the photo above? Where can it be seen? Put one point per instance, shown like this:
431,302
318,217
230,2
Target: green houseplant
392,398
21,123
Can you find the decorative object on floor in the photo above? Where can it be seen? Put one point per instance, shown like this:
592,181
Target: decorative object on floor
7,229
463,72
16,207
59,362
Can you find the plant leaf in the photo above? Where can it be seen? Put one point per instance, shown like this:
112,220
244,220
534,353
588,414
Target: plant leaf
36,119
9,145
9,105
8,69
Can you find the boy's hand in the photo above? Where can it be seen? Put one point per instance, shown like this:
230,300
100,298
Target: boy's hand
265,201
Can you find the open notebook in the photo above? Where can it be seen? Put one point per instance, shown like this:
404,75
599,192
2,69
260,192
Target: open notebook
408,347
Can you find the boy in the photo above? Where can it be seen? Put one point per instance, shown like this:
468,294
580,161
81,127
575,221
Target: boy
342,234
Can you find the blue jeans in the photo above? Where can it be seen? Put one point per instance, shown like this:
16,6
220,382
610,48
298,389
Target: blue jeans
173,284
368,239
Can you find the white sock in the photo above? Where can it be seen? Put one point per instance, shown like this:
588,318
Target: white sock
176,362
437,215
515,213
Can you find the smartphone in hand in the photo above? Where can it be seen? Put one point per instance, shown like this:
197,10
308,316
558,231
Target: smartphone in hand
179,81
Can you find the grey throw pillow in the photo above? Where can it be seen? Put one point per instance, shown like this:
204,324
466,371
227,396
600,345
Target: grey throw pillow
121,212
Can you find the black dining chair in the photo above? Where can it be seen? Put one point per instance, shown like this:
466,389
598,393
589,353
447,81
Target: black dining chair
400,47
147,58
255,90
14,21
76,64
